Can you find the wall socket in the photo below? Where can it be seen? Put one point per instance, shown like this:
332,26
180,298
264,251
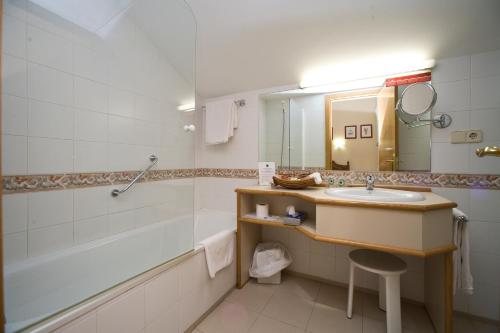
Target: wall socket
468,136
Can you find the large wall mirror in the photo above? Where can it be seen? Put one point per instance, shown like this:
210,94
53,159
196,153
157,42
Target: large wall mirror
359,130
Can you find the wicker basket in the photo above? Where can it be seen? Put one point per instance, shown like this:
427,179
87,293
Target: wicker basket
293,182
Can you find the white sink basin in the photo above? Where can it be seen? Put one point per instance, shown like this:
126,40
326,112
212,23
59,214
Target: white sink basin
378,194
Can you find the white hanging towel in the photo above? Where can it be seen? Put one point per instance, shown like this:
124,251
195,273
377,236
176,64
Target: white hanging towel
219,250
462,277
219,121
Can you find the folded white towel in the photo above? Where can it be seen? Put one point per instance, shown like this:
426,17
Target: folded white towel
462,277
219,250
219,120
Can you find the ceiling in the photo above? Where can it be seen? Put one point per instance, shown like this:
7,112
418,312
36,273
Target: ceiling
244,45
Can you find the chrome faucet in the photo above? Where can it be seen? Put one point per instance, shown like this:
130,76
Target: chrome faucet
370,182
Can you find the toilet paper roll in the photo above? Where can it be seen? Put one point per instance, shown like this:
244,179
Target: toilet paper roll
262,210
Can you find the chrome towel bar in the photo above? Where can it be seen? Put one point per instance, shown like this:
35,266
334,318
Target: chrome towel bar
116,192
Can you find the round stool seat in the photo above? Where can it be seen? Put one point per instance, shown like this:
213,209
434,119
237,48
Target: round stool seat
378,262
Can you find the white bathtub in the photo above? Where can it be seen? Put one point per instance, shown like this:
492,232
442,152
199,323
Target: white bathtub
39,287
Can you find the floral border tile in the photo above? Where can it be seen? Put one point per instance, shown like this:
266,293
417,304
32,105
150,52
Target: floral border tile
33,183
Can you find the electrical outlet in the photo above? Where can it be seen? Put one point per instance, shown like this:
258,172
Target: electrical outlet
458,137
474,136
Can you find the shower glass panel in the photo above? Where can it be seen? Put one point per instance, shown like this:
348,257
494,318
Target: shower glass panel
90,89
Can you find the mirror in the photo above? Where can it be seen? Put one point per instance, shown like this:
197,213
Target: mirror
353,131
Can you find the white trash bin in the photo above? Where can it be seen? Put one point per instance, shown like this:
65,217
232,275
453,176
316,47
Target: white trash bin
269,259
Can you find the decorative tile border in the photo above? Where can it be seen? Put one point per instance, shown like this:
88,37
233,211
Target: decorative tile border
34,183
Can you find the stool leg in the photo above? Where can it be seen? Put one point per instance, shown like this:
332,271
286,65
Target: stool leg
393,304
381,293
351,291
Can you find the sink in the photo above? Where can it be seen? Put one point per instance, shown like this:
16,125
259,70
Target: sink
378,194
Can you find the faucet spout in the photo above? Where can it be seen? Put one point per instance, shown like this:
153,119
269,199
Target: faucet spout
370,182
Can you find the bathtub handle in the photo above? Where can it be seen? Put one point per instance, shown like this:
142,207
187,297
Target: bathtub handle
154,159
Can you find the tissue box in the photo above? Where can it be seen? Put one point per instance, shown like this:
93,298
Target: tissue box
273,279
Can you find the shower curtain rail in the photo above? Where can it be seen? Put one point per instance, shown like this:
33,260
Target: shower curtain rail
116,192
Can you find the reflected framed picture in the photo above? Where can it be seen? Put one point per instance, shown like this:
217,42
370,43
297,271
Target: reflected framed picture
350,132
366,131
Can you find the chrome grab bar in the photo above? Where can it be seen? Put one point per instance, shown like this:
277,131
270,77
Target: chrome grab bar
116,192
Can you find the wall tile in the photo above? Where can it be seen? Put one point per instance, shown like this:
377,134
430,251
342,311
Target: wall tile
168,322
14,155
42,18
15,213
14,36
14,76
50,239
49,208
91,126
90,202
485,64
484,205
121,222
484,237
486,120
485,301
485,268
91,229
456,161
14,115
50,120
49,49
193,274
121,102
146,215
121,130
124,314
49,85
147,108
91,95
458,195
451,69
162,294
90,64
120,157
49,156
126,201
91,156
484,93
460,122
452,96
15,247
85,324
15,8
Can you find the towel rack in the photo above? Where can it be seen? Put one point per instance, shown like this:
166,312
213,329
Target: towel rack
488,151
116,192
239,102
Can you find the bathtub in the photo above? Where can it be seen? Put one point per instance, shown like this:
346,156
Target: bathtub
37,288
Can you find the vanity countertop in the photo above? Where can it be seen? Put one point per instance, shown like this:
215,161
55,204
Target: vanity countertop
317,195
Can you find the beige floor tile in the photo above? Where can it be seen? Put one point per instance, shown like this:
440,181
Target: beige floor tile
228,318
465,325
301,287
415,318
336,297
289,308
268,325
371,309
326,319
253,296
378,326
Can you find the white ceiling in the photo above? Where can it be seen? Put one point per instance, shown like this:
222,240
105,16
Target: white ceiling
244,45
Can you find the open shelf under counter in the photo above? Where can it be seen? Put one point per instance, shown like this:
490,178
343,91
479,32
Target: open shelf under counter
307,227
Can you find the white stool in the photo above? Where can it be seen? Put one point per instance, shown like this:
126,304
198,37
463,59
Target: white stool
388,268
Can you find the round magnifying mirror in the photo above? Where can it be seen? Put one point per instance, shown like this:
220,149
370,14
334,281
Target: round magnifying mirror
417,99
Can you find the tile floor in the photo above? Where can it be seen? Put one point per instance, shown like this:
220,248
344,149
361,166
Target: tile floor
304,306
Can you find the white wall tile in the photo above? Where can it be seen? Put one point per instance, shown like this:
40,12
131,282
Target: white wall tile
146,133
15,247
49,208
50,120
484,93
146,215
91,202
91,126
91,229
121,157
460,122
14,115
459,195
14,76
485,64
91,95
121,102
90,64
486,120
50,239
124,314
452,96
85,324
484,237
49,49
456,161
91,156
147,108
484,205
485,301
15,8
46,20
121,130
121,222
14,155
162,294
49,85
49,156
14,36
168,322
451,69
193,274
15,213
485,268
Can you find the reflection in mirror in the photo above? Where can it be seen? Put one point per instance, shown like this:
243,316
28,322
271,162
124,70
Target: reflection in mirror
355,130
